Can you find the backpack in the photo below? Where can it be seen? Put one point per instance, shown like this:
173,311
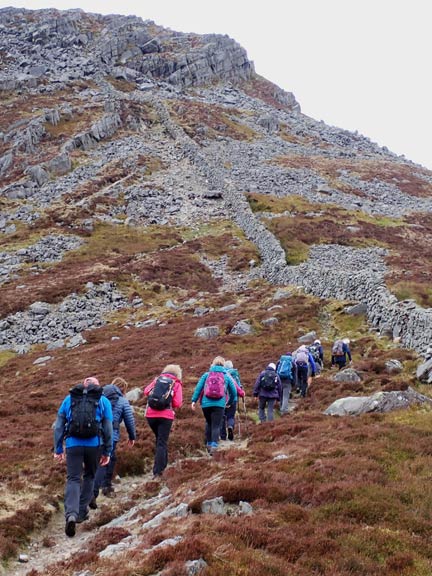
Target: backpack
301,357
84,401
214,387
337,349
161,395
314,350
285,366
268,380
113,395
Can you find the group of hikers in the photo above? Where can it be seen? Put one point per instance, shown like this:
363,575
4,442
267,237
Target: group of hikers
88,420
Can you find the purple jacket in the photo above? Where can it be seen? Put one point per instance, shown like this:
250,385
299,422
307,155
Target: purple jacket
259,391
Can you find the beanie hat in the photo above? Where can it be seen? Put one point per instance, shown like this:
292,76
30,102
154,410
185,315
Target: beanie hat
91,380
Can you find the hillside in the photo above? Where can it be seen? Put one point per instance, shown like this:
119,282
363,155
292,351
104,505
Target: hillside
160,202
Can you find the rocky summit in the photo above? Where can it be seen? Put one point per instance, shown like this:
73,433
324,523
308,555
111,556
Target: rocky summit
161,202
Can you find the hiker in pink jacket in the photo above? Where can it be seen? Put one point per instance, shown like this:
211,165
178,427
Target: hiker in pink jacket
165,394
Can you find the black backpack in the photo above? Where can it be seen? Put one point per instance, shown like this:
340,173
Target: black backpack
84,401
314,350
161,395
268,380
113,395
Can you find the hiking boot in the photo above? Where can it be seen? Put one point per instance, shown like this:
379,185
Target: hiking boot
108,491
93,504
70,526
81,519
230,433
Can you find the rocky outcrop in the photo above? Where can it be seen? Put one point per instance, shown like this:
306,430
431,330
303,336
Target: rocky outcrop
378,402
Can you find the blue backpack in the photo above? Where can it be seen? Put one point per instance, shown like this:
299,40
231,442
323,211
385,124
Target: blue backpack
285,366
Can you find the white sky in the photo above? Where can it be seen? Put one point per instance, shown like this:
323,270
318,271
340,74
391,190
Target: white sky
358,64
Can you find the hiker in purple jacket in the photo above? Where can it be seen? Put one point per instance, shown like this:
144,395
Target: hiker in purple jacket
267,389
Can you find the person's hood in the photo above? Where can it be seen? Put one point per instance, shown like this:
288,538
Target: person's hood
109,388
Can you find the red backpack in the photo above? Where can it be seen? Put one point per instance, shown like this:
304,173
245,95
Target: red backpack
214,387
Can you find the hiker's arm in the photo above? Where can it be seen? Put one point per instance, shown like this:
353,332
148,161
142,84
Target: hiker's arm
59,433
232,391
107,428
198,388
129,420
257,386
348,351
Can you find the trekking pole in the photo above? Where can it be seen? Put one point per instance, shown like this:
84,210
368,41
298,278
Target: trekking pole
239,418
245,417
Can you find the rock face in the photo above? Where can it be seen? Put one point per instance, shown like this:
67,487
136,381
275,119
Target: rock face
379,402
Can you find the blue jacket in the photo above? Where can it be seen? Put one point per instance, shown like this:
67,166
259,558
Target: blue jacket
342,359
230,389
122,412
259,391
103,415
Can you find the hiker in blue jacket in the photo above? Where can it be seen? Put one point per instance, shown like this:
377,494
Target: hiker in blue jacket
285,370
213,388
341,353
84,451
228,420
122,412
267,389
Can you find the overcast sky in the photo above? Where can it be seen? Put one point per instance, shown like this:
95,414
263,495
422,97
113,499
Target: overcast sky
358,64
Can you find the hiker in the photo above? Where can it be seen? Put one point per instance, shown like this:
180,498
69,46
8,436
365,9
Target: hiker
122,412
317,352
285,370
341,353
165,394
228,420
84,421
213,388
267,389
305,369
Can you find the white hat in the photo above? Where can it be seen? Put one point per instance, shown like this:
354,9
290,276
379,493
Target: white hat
317,342
272,365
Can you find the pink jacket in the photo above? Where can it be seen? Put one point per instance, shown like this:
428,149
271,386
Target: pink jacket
177,399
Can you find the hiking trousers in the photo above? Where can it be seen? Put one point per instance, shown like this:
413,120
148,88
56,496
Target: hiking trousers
228,420
286,393
302,378
81,466
213,416
104,474
264,402
161,428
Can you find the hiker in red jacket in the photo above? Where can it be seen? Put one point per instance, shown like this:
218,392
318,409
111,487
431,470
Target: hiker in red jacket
165,394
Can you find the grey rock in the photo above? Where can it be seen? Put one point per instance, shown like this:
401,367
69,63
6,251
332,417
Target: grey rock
270,321
134,395
347,375
55,345
201,311
307,338
393,366
213,506
40,308
378,402
357,309
207,332
75,341
195,567
245,508
424,371
42,360
242,328
228,308
282,293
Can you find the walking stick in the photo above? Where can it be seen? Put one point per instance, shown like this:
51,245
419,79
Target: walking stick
245,417
239,418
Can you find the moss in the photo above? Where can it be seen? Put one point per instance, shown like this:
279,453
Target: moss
5,356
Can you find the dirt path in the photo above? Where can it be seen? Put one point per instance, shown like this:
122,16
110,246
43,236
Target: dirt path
51,545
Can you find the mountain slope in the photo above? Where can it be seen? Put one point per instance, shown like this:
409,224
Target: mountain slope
152,186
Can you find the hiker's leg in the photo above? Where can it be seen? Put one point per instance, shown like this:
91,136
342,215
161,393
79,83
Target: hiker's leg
216,419
74,467
207,415
261,408
161,456
99,480
302,372
91,461
286,391
230,419
270,408
223,428
110,468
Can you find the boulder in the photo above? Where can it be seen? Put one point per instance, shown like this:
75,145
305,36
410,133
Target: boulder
378,402
347,375
207,332
242,328
307,338
424,372
393,366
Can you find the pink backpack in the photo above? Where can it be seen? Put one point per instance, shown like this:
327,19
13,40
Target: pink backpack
215,386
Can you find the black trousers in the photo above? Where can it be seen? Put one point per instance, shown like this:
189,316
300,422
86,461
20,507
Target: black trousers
161,428
213,416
